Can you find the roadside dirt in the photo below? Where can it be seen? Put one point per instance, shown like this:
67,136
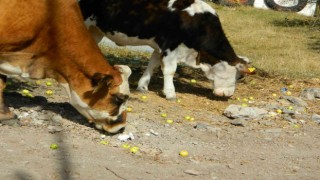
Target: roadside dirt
263,149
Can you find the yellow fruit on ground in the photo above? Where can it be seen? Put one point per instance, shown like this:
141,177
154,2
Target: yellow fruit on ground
183,153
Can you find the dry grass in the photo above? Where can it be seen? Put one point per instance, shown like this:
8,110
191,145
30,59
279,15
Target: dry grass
278,43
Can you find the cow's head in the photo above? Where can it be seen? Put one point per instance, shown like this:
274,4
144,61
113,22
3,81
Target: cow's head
223,75
103,101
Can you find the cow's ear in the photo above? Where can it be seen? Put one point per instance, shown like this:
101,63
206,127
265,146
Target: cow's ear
100,80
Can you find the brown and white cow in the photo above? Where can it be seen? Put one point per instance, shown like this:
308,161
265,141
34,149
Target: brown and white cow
47,39
187,31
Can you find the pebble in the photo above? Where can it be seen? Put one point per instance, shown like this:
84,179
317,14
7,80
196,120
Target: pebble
310,93
192,172
296,101
236,111
239,122
315,117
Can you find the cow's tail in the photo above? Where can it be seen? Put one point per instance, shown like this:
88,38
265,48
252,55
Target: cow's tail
87,7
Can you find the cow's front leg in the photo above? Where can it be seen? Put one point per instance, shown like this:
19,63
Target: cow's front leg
153,64
169,66
5,113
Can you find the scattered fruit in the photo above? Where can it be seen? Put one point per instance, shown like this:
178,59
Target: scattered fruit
54,146
48,83
274,94
290,107
291,86
129,109
187,118
144,97
193,81
169,121
104,142
244,105
164,115
252,69
251,98
178,100
134,149
49,92
183,153
25,91
126,146
279,111
245,100
288,93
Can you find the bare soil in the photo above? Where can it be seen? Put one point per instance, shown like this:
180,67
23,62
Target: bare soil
262,149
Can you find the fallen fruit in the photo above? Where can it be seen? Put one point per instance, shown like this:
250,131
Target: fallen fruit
25,91
49,92
134,149
252,69
169,121
48,83
274,94
288,93
187,118
164,115
183,153
244,105
54,146
290,107
144,97
251,98
178,100
126,146
193,81
279,111
129,109
104,142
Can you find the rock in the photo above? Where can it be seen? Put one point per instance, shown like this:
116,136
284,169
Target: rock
239,122
192,172
296,101
310,93
236,111
10,122
315,117
54,129
274,130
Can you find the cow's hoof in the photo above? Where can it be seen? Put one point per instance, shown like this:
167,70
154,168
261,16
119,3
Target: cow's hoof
142,89
170,96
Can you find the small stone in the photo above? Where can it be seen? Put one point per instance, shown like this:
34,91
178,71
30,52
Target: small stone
54,129
239,122
315,117
192,172
310,93
296,101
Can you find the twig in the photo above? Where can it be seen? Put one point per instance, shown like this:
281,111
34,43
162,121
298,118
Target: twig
115,173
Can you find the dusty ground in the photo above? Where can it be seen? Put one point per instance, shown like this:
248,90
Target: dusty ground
263,149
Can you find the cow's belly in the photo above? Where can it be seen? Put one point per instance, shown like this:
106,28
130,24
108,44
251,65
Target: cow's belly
19,64
122,39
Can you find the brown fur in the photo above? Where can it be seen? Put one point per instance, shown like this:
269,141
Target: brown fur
47,39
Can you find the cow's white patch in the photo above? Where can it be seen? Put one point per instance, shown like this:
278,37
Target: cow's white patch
200,7
83,107
170,3
222,76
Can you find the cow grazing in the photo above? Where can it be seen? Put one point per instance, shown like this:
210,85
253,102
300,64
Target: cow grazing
47,39
187,31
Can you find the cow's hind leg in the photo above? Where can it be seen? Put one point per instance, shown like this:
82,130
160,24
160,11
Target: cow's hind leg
6,116
153,64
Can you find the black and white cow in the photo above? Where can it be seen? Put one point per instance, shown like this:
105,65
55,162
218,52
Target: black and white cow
187,31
